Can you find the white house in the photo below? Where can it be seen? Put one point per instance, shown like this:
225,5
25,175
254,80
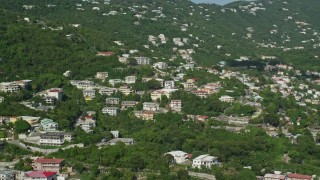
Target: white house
168,84
52,139
143,60
102,75
89,93
7,175
125,90
108,91
204,160
57,93
9,87
87,123
160,65
228,99
48,125
113,82
150,106
112,101
179,156
115,134
130,79
112,111
176,105
82,84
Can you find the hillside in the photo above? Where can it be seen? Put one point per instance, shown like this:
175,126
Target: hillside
288,30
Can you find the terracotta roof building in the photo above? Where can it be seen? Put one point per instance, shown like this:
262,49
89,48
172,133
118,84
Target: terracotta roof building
45,164
40,175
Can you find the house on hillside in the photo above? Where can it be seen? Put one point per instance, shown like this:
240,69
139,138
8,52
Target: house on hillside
179,156
228,99
128,104
9,87
112,101
130,79
48,125
150,106
126,141
112,111
40,175
108,91
204,161
89,94
46,164
52,139
102,75
176,105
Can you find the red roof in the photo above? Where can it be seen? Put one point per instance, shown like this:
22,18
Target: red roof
105,53
299,176
47,160
89,117
40,174
55,90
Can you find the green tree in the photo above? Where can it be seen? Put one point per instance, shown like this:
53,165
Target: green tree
21,126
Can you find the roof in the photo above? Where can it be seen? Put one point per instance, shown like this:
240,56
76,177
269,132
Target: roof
205,157
40,174
55,90
274,176
177,153
299,176
47,160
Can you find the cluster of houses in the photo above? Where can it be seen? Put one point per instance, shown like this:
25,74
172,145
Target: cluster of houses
43,169
15,86
202,161
288,176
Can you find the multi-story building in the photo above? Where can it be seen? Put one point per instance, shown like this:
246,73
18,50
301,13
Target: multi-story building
143,60
7,175
130,79
200,93
228,99
205,161
82,84
176,105
40,175
125,90
87,123
52,139
102,75
48,125
89,93
9,87
127,104
46,164
113,82
160,65
179,156
112,101
168,84
112,111
24,84
108,91
150,106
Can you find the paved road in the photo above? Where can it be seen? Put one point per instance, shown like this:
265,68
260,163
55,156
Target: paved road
45,151
202,175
